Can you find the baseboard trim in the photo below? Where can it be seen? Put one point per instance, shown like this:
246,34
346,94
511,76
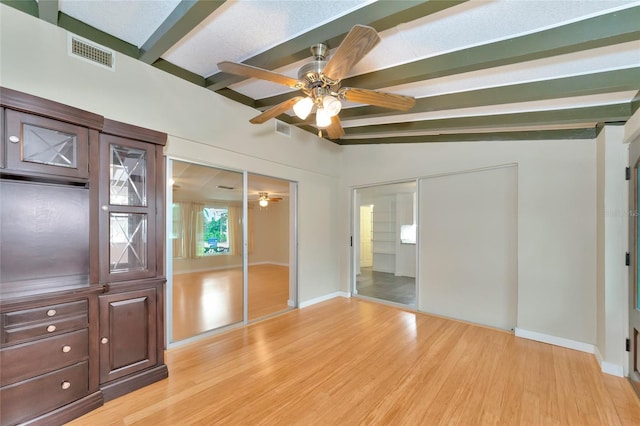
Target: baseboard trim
324,298
605,367
554,340
608,367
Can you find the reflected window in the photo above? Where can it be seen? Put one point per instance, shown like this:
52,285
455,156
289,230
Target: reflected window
215,236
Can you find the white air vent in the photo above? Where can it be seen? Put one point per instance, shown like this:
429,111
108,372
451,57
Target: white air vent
283,128
91,52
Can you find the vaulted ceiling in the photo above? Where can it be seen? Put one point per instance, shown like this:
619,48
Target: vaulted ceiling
479,70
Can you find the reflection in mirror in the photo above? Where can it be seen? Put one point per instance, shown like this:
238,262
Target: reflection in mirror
206,236
271,282
384,242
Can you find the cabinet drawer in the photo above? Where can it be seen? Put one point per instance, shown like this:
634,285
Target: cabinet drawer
27,360
36,396
41,329
45,313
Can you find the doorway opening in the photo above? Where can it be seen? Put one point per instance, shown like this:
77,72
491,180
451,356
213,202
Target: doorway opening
385,243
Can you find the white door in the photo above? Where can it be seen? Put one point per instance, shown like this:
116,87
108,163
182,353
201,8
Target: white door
468,246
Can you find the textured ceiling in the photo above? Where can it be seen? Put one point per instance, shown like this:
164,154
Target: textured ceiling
479,70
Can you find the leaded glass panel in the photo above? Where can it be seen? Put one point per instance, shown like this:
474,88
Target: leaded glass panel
46,146
127,242
128,176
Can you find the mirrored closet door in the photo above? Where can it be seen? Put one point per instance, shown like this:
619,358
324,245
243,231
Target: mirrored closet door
271,275
223,271
206,240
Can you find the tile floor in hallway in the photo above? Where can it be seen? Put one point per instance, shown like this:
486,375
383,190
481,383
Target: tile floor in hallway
386,286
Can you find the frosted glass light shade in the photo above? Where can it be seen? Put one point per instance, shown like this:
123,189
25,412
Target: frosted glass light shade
322,118
302,108
332,105
263,202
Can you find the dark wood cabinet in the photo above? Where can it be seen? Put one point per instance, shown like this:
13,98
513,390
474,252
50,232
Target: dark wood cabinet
81,259
131,198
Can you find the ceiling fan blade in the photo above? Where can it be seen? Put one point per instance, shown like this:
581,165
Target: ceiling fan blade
360,40
254,72
381,99
275,111
335,130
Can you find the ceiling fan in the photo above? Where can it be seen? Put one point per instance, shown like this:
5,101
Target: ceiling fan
320,82
264,199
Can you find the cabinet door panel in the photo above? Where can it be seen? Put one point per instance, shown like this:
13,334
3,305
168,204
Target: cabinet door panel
128,209
41,145
127,333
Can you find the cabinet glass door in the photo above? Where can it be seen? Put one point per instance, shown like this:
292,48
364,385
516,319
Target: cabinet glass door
127,242
128,208
50,147
128,180
45,146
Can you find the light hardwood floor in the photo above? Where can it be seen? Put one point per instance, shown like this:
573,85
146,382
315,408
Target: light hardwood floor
203,301
351,362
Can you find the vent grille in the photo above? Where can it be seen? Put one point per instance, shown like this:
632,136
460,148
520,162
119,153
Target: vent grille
283,128
91,52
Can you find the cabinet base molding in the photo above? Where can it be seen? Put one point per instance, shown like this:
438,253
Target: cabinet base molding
71,411
135,381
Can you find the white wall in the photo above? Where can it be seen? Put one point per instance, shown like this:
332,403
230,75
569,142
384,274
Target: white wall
203,127
556,218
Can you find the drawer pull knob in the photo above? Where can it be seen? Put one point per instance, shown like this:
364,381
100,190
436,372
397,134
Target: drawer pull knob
104,341
14,139
51,312
51,328
66,385
66,349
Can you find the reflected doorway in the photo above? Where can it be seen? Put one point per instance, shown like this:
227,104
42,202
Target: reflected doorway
385,246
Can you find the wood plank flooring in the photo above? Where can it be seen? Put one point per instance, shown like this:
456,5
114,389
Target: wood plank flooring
351,362
204,301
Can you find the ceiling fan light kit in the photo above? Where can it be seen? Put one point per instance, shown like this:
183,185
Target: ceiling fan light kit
320,82
303,108
263,199
323,119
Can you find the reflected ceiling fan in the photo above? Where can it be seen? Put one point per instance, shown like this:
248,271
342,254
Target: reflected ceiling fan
264,199
320,82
